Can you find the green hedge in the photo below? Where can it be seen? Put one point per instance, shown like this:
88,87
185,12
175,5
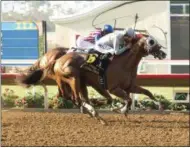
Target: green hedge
36,100
30,100
166,104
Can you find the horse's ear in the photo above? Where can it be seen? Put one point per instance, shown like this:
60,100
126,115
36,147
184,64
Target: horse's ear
141,42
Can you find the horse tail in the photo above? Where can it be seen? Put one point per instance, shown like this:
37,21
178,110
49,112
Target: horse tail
32,78
35,76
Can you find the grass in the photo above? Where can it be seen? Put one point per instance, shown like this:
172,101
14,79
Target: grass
52,90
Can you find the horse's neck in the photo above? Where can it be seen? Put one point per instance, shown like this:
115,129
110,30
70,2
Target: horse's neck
131,59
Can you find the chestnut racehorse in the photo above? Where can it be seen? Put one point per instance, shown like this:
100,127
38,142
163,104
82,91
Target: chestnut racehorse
121,73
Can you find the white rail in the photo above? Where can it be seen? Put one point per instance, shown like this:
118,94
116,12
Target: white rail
166,62
157,62
145,62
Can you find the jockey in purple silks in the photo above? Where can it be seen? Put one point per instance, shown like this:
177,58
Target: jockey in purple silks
88,42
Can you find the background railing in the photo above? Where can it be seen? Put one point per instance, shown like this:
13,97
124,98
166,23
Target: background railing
143,66
175,9
145,79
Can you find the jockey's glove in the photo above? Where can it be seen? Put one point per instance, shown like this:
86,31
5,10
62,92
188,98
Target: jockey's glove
109,55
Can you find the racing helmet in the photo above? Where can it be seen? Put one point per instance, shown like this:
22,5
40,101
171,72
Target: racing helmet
108,28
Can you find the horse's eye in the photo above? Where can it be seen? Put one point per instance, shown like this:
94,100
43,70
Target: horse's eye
151,42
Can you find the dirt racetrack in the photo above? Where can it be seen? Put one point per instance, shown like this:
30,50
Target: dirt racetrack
71,129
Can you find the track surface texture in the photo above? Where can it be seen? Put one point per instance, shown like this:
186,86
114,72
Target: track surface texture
75,129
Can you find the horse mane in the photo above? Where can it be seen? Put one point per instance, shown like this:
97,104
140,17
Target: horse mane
62,49
134,42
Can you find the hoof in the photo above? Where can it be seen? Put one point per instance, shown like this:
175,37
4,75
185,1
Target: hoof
82,110
103,122
116,110
124,109
126,114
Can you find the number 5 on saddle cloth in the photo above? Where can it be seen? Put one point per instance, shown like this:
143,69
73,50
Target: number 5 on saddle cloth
98,64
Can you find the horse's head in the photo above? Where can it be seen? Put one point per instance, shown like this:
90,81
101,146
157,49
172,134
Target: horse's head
151,47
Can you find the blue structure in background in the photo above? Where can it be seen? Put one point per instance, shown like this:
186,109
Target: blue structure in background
20,41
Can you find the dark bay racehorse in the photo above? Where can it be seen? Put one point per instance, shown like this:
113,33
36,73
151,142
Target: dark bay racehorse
121,73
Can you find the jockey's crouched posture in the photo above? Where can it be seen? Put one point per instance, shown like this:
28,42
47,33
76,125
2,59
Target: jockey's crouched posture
113,44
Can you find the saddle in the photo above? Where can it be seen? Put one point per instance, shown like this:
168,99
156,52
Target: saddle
96,62
80,50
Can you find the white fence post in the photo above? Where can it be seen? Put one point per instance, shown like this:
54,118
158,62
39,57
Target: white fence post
45,96
133,101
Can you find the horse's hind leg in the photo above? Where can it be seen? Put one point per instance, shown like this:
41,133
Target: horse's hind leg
60,88
139,90
90,110
94,113
75,86
84,97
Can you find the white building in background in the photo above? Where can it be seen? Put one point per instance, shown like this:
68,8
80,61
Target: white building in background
150,13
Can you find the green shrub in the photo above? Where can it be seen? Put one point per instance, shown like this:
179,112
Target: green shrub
147,103
21,102
187,105
177,107
58,103
164,102
67,104
55,102
35,100
9,98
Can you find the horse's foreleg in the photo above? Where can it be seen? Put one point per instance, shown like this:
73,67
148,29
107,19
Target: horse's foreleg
139,90
121,94
84,92
104,93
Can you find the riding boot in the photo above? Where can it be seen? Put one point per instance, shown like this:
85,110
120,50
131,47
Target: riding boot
102,79
106,56
104,61
91,50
